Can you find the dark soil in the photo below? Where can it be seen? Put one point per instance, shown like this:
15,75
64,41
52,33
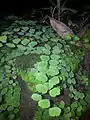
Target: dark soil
27,105
87,61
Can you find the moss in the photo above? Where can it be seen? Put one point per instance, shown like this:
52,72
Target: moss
27,61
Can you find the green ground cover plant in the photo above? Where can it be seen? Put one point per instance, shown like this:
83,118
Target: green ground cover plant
51,70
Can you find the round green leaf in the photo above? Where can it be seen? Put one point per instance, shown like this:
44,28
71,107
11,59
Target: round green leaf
73,81
67,37
1,44
50,86
54,62
44,57
67,110
79,95
36,97
82,95
44,38
25,41
20,33
54,92
5,33
16,29
47,47
54,80
54,39
25,28
62,104
79,109
11,45
71,88
56,50
76,38
42,69
83,102
11,116
87,98
41,77
32,44
55,57
74,105
59,45
21,47
17,40
54,111
44,103
52,71
42,88
68,68
3,39
41,64
32,31
4,91
69,81
3,106
78,113
71,74
38,33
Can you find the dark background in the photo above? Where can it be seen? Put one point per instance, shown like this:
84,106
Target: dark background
24,6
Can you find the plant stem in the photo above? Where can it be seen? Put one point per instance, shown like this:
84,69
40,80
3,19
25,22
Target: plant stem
58,4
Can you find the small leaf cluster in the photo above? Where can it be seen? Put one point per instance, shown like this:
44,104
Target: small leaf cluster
75,110
48,77
21,32
54,73
9,91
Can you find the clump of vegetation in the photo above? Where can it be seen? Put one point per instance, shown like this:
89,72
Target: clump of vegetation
47,78
9,92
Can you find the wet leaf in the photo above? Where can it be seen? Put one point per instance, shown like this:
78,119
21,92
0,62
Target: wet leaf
41,77
42,88
54,111
25,28
44,57
36,97
17,40
1,44
54,80
11,45
54,92
44,103
55,57
32,44
25,41
53,62
16,29
20,33
3,39
21,47
62,104
52,71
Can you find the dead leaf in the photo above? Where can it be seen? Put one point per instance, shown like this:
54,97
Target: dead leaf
60,28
